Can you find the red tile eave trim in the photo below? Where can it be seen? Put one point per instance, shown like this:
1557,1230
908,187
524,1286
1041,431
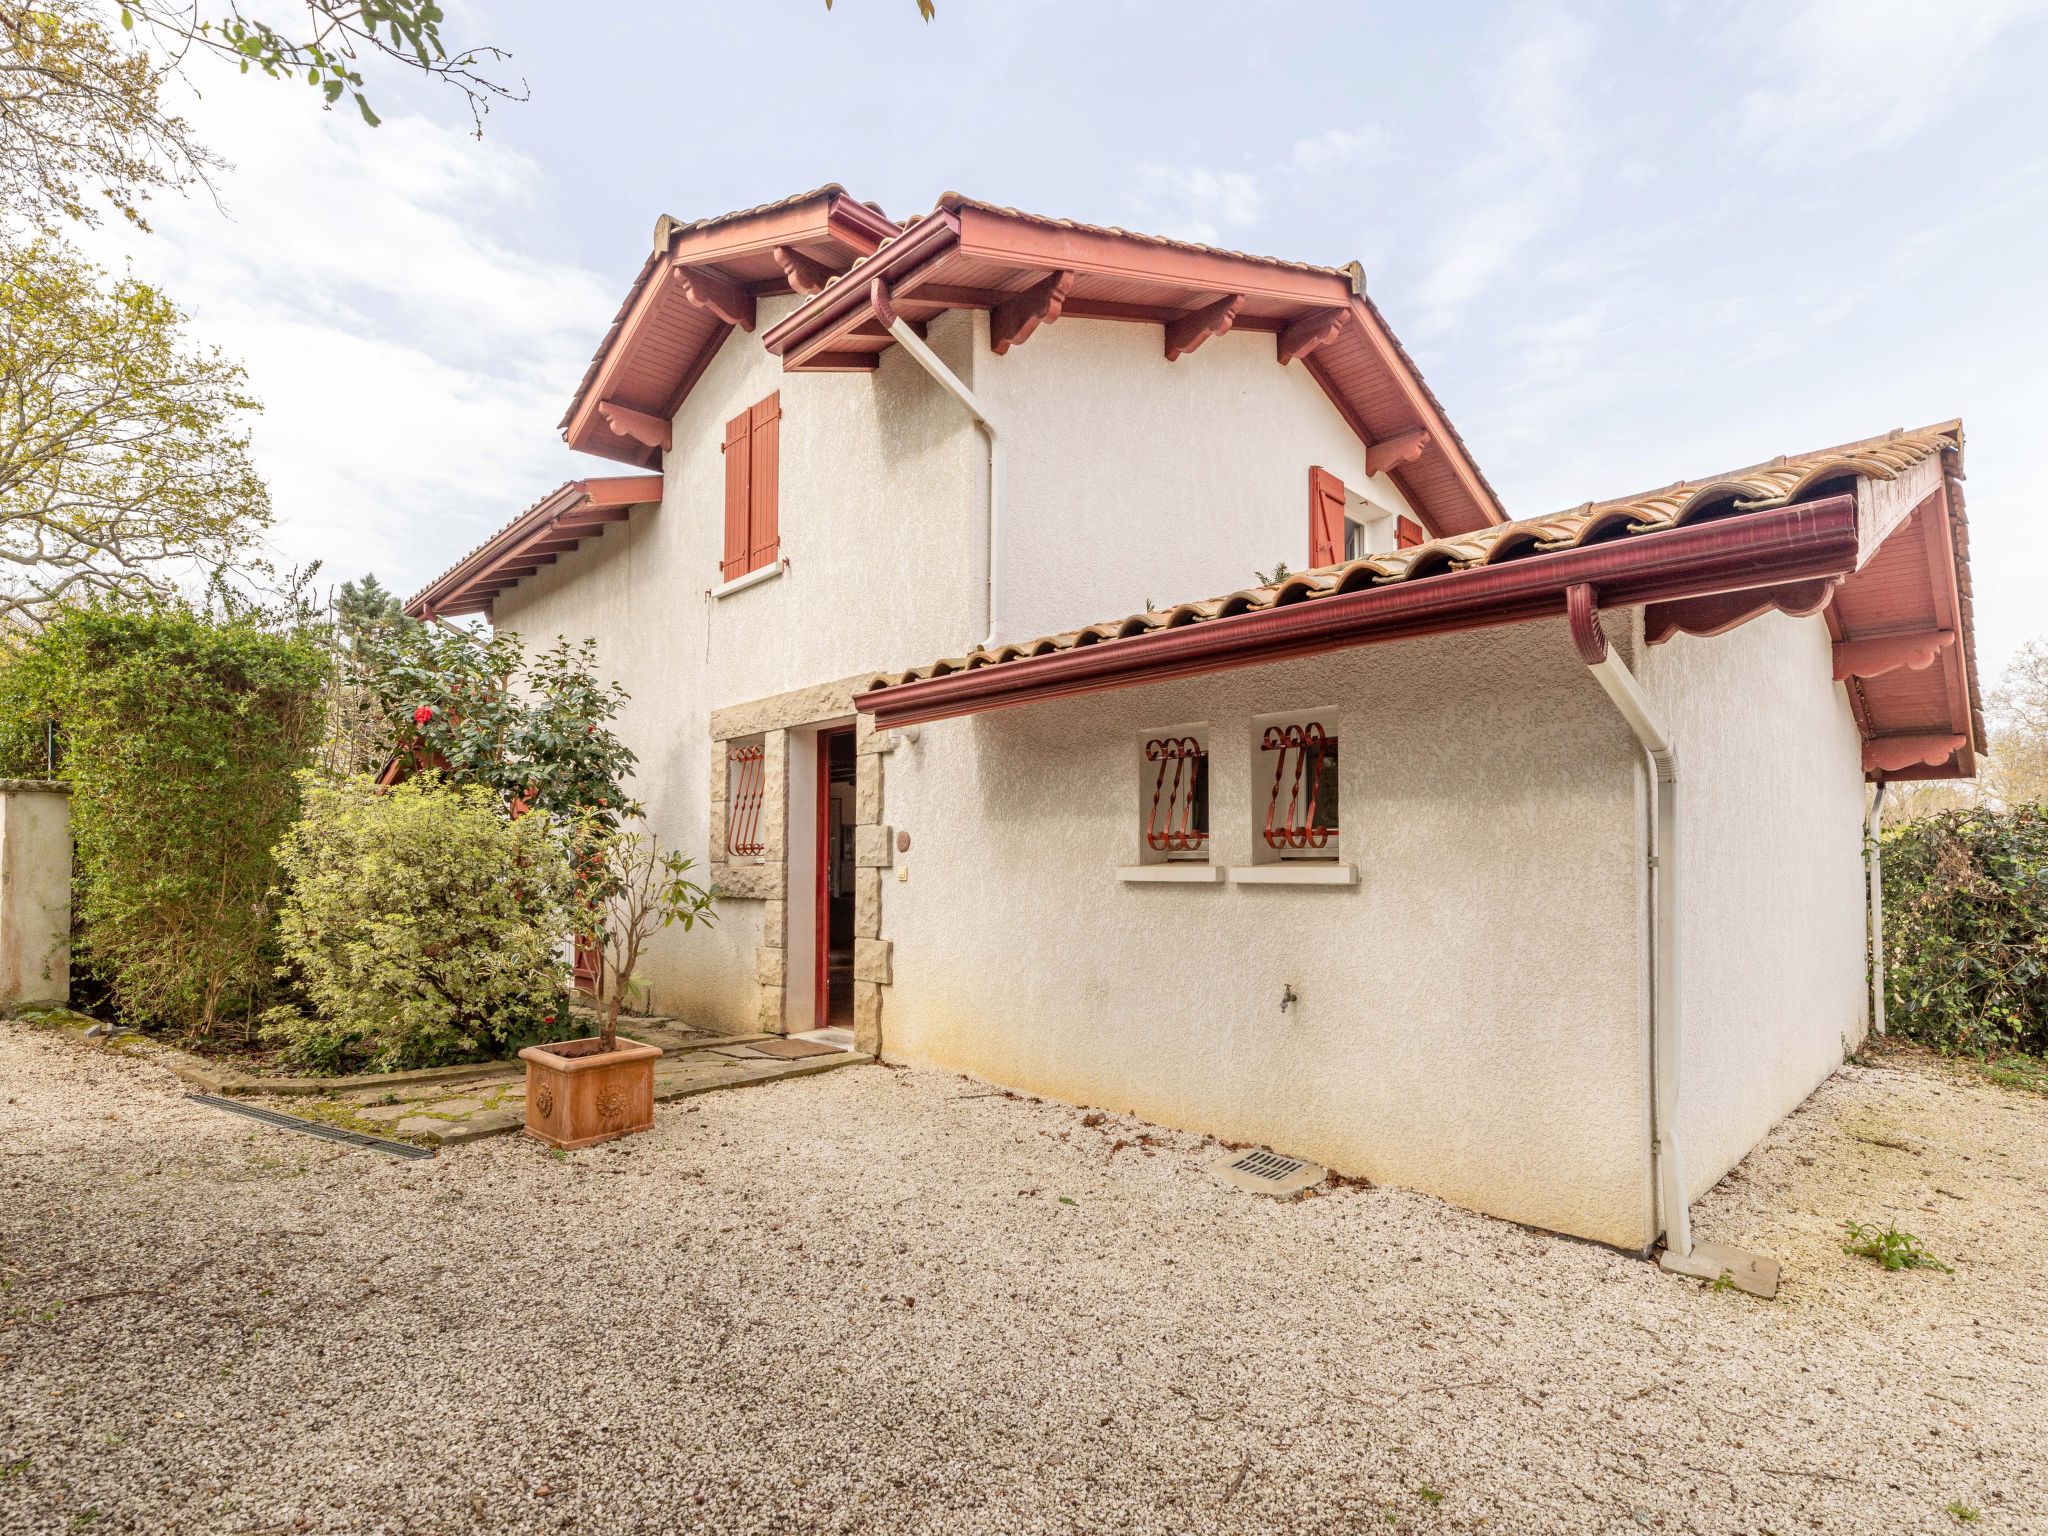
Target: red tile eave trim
846,301
831,216
1801,543
453,591
979,234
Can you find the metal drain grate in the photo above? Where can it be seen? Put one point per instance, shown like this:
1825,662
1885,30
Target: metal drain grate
312,1127
1261,1172
1268,1165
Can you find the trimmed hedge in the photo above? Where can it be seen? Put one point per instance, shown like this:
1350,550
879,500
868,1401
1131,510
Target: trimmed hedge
181,736
1966,931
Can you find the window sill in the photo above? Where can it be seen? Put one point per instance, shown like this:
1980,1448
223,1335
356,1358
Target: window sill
1303,872
753,578
1179,874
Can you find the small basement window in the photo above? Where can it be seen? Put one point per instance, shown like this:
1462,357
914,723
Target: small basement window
1174,799
746,780
1296,774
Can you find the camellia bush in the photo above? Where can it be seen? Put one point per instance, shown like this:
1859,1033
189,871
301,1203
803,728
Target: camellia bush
181,735
1966,931
422,926
475,709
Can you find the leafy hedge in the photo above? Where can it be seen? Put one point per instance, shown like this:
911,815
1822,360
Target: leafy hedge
181,736
1966,931
422,925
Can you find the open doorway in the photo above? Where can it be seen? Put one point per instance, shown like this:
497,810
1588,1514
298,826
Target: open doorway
835,878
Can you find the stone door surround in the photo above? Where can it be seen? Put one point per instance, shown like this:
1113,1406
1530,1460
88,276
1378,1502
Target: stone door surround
767,879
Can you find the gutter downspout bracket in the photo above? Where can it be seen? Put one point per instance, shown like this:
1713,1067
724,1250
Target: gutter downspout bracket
1752,1272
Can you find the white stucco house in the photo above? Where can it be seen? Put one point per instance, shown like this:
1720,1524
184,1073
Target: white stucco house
1517,861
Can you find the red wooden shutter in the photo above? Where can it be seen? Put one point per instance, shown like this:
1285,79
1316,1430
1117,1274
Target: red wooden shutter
738,480
1408,533
766,544
1325,518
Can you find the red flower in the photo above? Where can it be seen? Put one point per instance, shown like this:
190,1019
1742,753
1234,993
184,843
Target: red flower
423,714
548,1019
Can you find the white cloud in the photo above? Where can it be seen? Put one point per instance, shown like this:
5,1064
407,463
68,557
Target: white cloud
1334,149
1845,76
1530,170
412,352
1191,203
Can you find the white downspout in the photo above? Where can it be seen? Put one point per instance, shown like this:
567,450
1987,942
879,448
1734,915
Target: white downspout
928,360
1665,1016
1873,825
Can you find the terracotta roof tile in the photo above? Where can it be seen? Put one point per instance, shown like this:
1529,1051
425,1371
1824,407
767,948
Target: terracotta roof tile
1760,486
667,228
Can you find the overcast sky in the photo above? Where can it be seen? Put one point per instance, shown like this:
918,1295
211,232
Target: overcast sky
1628,243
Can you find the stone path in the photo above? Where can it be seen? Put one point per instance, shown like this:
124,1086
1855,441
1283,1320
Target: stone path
442,1114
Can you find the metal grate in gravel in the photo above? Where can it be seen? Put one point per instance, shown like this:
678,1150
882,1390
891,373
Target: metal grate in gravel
312,1127
1262,1172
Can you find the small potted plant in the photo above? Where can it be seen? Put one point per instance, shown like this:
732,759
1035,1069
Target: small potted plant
581,1092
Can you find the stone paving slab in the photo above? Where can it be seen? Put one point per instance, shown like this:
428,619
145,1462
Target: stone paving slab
498,1107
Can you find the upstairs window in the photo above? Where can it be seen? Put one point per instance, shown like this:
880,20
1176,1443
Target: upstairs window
752,450
1176,800
1297,768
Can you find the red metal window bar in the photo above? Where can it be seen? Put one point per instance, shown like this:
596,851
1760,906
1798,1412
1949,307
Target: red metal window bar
1179,822
1309,820
743,808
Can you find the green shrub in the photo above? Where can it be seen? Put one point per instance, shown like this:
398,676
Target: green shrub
1966,931
181,736
422,926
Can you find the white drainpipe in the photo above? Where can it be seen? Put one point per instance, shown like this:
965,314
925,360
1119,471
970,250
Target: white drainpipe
1872,826
1665,1017
928,360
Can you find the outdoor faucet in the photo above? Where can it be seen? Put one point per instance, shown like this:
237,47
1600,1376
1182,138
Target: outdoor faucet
1287,995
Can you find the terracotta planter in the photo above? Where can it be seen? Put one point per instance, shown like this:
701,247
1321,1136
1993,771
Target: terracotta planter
577,1097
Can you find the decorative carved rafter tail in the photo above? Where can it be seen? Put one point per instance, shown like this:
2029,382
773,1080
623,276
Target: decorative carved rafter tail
1396,451
649,431
806,274
1879,654
1892,754
722,296
1309,332
1724,611
1011,323
1191,330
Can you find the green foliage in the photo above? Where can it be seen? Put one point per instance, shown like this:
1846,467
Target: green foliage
124,449
422,926
182,736
632,888
470,705
1966,931
365,605
1962,1513
1889,1247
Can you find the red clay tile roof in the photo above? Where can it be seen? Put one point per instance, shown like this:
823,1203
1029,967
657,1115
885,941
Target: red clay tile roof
1777,483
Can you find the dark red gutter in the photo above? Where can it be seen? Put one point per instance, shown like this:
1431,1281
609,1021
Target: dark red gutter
1756,549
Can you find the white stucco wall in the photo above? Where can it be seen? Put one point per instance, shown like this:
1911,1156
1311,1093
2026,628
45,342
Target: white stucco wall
1132,478
35,892
880,508
1469,1017
1773,798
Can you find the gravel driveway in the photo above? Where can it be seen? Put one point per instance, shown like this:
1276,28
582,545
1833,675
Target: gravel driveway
885,1301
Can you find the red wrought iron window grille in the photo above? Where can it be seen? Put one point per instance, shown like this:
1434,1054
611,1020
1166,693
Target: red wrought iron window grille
1177,824
1301,810
746,780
